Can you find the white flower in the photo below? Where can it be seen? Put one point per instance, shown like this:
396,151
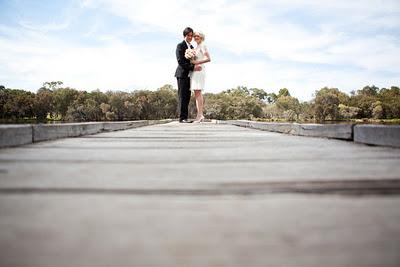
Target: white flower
190,54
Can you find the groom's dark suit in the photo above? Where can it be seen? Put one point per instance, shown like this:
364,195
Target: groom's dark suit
182,75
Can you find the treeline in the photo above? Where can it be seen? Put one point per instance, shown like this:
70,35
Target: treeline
54,101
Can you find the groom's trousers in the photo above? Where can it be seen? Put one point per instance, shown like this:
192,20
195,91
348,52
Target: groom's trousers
184,97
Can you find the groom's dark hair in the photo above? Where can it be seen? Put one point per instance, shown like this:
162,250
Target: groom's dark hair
186,31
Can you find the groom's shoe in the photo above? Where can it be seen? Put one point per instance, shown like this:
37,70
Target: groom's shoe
185,121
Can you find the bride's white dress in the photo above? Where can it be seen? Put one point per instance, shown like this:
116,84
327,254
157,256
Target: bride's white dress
197,78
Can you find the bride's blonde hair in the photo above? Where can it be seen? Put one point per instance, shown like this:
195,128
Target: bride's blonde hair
201,34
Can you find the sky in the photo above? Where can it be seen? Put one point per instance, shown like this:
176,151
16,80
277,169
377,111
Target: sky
302,45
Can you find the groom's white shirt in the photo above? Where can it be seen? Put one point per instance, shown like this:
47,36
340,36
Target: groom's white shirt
188,45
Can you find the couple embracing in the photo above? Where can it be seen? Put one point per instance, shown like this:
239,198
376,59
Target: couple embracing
190,73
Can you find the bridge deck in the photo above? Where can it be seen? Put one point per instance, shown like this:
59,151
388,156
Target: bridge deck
199,195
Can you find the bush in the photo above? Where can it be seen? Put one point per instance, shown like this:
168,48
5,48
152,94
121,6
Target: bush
326,104
16,104
346,112
236,103
43,103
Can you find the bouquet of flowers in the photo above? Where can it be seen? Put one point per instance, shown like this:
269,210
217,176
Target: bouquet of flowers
190,54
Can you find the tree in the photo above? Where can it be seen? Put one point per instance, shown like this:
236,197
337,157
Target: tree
117,100
235,103
143,101
272,97
326,104
377,110
52,85
307,111
288,103
98,96
63,99
17,104
43,103
390,99
3,100
105,108
165,102
364,100
369,90
260,94
346,112
242,90
283,92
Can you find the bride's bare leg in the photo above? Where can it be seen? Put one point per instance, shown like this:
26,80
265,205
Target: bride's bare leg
199,104
196,95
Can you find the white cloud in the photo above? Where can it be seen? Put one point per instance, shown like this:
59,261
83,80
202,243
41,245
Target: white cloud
114,65
252,26
341,34
53,26
240,27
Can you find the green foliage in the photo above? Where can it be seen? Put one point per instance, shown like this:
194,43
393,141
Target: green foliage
390,99
165,102
233,104
52,85
346,112
16,104
364,100
119,102
377,110
327,104
288,103
241,102
283,107
63,99
84,109
283,92
43,103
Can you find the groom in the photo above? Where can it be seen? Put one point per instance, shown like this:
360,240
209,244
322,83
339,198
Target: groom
182,74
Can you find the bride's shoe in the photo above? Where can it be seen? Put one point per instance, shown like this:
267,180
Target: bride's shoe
201,119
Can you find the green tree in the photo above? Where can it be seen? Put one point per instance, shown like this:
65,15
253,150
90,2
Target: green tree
16,104
3,101
347,112
283,92
307,111
364,100
142,100
326,104
290,105
377,110
98,96
52,85
165,102
236,103
63,99
369,90
390,99
43,103
260,94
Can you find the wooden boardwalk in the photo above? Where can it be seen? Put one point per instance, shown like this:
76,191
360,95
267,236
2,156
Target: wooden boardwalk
199,195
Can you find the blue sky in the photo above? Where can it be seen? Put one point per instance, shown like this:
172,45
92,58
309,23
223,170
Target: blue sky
302,45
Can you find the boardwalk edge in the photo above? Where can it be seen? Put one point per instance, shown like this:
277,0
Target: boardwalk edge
379,135
16,135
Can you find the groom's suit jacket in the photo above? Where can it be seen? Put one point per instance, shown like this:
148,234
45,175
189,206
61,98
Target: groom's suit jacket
184,65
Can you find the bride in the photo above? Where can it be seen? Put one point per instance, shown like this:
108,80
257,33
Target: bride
197,78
